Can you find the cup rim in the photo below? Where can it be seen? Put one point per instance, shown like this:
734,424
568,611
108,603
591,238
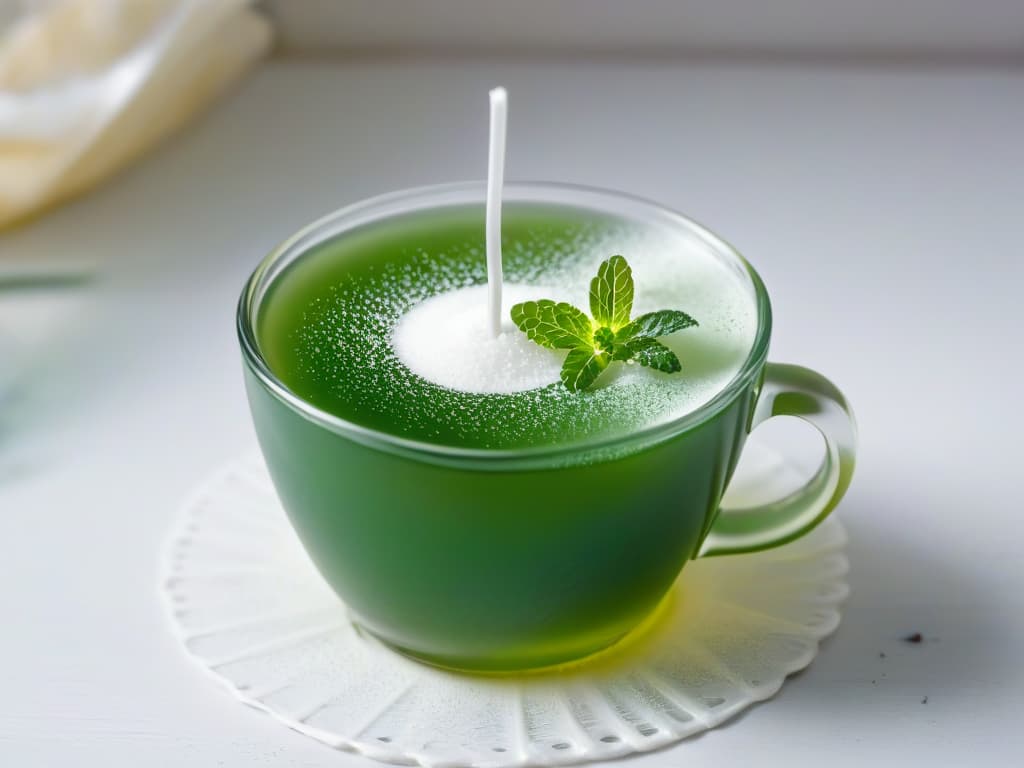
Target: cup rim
493,459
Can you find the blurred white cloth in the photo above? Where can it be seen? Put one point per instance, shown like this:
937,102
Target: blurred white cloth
88,85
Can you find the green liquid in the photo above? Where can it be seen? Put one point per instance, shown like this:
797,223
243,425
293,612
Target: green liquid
326,324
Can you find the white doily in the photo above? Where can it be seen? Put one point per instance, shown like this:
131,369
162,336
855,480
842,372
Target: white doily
251,609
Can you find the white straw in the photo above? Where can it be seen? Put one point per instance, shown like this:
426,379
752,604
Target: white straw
495,180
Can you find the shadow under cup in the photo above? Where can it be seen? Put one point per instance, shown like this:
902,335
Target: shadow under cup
505,559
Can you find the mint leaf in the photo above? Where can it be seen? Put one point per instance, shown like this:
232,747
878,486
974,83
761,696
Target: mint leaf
611,293
655,324
654,354
604,340
582,367
594,344
555,326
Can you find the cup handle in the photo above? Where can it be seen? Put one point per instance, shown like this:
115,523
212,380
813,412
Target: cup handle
790,390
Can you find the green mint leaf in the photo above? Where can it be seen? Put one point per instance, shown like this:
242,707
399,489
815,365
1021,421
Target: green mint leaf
655,324
582,367
555,326
604,339
622,352
654,354
611,293
594,344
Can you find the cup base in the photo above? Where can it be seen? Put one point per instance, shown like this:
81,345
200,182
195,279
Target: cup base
533,664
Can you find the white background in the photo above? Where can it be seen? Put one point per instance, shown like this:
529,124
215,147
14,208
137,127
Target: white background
881,204
937,30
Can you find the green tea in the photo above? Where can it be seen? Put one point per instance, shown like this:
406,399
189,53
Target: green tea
327,324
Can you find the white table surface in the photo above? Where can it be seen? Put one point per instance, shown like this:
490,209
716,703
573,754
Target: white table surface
884,210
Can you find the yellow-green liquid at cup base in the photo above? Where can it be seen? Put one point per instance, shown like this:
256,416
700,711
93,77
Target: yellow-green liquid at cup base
326,324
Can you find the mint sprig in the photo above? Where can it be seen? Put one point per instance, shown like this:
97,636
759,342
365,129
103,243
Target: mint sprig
609,335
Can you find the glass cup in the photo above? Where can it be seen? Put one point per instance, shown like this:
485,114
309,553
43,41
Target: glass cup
499,560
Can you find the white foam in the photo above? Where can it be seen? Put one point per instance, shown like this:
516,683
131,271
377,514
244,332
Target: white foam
446,340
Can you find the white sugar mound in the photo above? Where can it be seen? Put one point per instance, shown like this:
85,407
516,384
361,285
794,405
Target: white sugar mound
445,340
